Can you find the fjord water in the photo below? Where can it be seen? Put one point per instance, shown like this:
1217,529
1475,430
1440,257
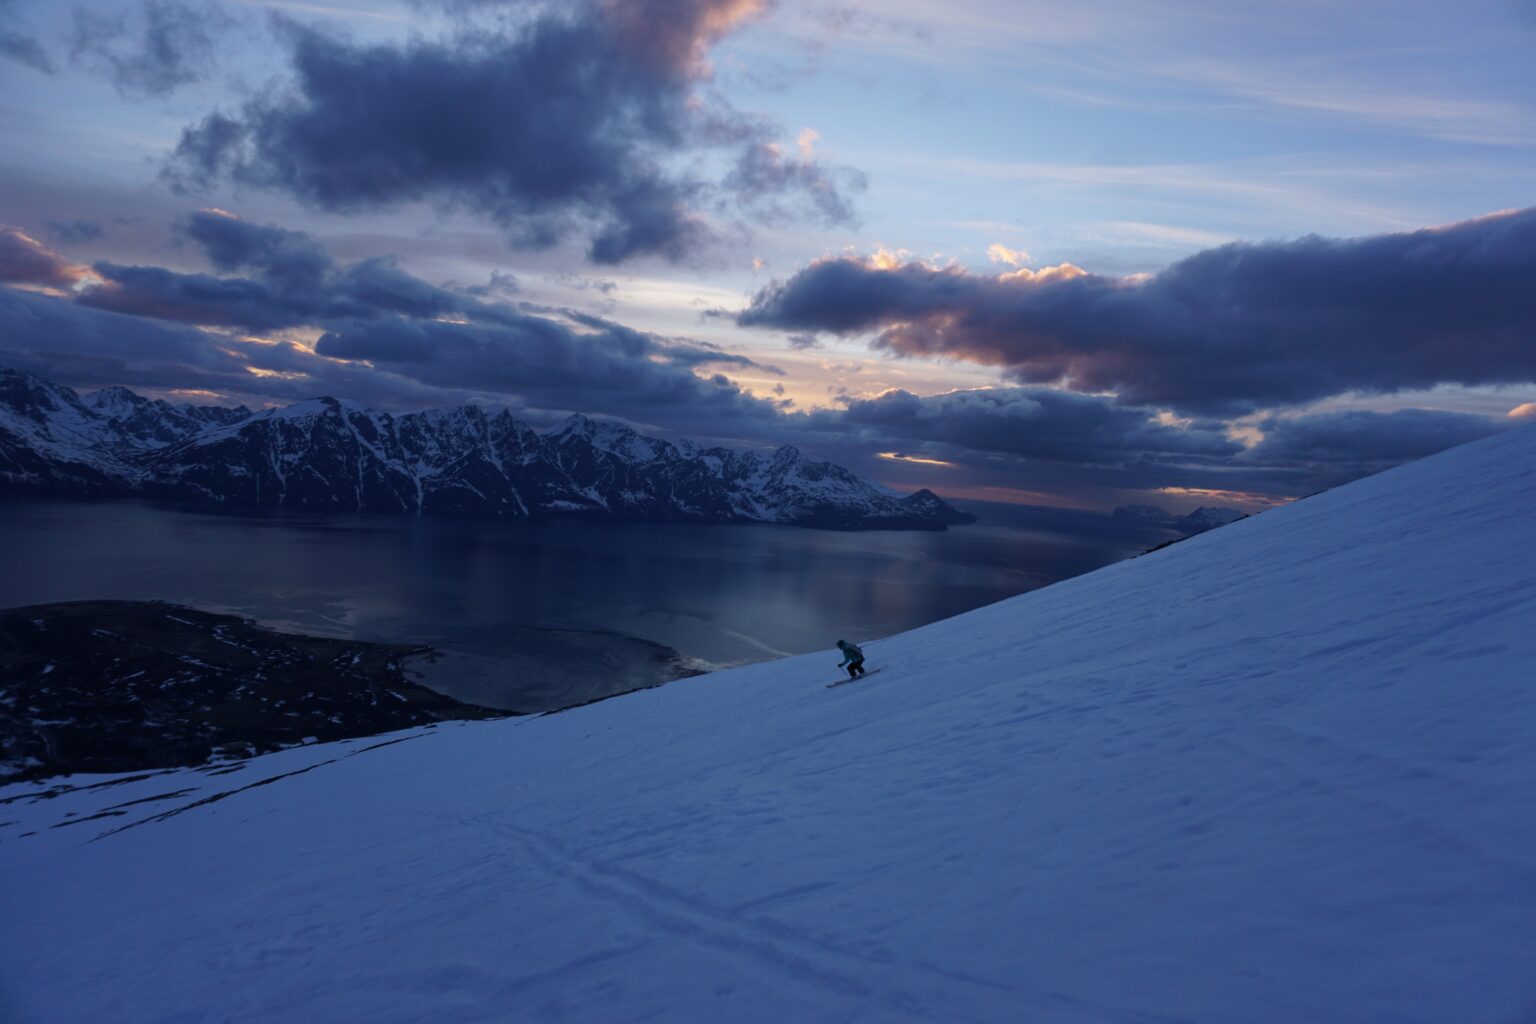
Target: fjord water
541,614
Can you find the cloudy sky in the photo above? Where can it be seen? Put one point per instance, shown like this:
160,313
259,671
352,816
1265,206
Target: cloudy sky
1031,251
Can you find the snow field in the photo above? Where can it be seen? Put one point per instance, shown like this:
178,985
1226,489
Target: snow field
1279,772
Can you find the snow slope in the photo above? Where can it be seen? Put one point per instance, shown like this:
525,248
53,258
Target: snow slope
1281,772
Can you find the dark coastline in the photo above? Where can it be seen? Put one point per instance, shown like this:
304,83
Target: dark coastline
116,686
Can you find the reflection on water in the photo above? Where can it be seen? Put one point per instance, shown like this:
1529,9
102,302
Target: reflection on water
720,594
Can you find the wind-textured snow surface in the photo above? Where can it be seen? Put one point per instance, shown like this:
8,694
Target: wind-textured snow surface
1281,772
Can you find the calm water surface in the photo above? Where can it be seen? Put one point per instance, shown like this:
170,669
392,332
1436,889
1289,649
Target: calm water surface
724,595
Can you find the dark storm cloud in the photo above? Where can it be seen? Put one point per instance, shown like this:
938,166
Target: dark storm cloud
204,299
682,353
42,324
1030,423
538,365
160,47
89,348
1095,449
18,45
388,337
76,231
290,281
303,282
1230,329
25,260
291,258
1329,448
616,371
571,123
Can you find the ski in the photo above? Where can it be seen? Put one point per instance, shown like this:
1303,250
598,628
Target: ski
845,682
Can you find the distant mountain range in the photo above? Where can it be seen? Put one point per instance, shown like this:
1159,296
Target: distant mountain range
1198,521
328,453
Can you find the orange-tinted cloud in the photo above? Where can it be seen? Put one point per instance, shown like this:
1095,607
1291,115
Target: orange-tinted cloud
920,460
1230,330
25,260
997,252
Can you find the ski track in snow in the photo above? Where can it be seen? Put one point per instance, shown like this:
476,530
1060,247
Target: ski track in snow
760,940
1277,773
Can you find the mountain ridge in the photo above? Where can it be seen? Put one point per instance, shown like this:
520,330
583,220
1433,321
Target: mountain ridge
330,453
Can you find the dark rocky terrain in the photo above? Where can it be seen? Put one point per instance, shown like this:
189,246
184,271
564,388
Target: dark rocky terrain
116,686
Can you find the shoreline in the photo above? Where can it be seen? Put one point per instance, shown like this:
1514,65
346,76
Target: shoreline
120,686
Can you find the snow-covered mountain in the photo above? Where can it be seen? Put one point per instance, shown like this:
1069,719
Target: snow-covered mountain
1202,519
330,453
1198,521
1279,772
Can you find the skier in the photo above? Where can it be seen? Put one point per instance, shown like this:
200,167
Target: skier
852,657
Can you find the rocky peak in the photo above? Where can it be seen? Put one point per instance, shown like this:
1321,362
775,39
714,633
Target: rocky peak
786,456
24,392
575,425
115,402
324,406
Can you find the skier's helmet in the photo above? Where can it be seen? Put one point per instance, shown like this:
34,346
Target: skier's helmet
842,643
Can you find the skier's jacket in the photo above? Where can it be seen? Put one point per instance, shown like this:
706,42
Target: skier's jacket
851,653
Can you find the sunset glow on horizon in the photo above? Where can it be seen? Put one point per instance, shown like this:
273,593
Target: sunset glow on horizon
895,236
